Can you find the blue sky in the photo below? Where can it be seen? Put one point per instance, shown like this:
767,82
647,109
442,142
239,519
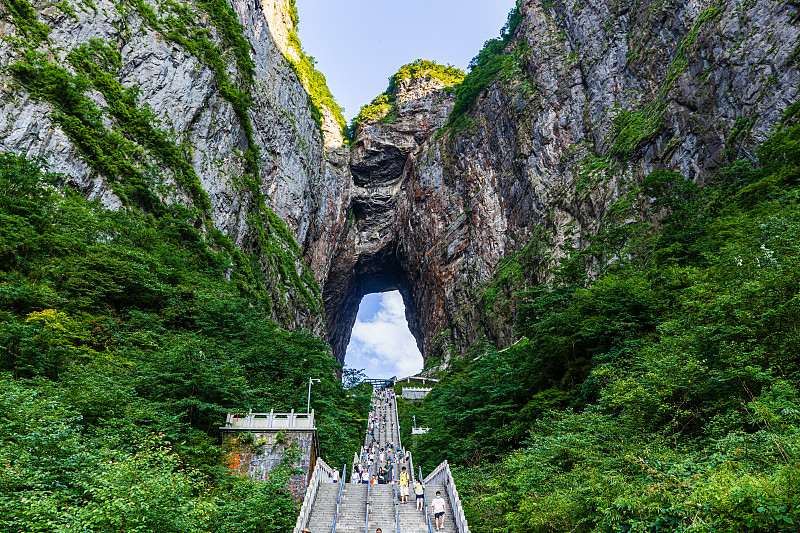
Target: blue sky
381,343
358,44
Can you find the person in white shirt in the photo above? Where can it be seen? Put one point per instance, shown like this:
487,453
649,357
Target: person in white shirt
365,476
335,475
438,509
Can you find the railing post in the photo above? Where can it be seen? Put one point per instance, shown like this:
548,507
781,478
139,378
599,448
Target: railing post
366,521
396,515
425,505
339,498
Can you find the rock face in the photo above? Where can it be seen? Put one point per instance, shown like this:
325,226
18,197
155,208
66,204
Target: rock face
183,91
597,96
544,150
371,252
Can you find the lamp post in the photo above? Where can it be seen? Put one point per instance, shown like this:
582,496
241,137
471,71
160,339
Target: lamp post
310,381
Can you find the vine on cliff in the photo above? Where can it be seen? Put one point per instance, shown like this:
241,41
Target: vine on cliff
632,128
99,63
23,16
181,26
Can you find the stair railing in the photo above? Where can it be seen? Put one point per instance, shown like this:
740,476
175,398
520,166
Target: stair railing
339,499
425,505
366,520
442,475
320,472
396,511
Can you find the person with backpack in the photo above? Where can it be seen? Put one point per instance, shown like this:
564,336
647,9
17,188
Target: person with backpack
404,485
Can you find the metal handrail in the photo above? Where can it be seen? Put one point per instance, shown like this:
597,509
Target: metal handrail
396,512
339,499
366,520
425,504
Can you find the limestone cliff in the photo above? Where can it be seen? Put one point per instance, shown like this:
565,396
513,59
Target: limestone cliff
597,96
233,109
593,96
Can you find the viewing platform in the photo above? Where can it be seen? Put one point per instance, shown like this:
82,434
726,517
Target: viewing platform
415,394
271,420
258,442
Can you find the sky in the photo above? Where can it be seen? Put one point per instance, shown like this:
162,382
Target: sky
358,44
381,343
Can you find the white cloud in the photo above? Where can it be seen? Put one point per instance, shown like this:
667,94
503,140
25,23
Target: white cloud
383,345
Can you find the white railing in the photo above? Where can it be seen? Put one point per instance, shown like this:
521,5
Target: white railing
442,475
339,499
417,379
319,475
325,472
414,393
271,420
425,505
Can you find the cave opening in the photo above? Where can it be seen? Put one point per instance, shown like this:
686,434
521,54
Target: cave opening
375,282
381,343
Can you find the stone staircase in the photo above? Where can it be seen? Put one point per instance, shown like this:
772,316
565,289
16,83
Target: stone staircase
449,523
353,510
382,508
321,518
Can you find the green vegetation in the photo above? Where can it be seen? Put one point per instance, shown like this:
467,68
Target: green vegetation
632,128
105,151
23,16
380,108
99,63
421,68
376,110
122,346
656,385
484,67
181,25
133,152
